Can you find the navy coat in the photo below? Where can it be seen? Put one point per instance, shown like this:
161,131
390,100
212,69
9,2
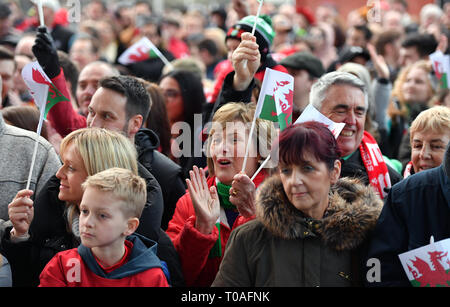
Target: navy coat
415,209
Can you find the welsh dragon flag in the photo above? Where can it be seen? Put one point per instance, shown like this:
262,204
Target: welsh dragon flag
429,265
441,67
44,92
275,102
141,51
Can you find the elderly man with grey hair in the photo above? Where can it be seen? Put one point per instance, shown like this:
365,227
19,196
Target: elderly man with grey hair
343,98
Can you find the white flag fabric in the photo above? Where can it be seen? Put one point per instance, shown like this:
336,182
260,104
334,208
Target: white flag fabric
310,113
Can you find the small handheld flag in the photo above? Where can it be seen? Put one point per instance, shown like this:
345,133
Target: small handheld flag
275,102
140,51
441,67
45,95
310,113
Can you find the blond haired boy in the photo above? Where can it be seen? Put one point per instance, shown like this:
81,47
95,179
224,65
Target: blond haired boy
110,254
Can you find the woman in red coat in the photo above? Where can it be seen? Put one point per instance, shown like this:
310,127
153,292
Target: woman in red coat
205,216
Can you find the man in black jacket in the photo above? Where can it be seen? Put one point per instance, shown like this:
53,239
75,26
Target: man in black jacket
118,108
122,104
415,209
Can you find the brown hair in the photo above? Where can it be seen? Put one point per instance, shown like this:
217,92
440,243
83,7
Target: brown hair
397,91
241,112
25,117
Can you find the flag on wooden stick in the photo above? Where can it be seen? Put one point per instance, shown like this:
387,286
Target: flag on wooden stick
275,102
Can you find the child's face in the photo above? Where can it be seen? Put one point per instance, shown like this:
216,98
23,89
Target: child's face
102,223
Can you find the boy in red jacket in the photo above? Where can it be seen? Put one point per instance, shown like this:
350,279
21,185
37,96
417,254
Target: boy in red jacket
109,254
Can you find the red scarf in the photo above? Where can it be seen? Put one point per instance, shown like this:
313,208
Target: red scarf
408,170
375,166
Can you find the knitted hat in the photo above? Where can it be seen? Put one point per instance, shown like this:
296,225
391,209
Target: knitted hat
304,60
264,32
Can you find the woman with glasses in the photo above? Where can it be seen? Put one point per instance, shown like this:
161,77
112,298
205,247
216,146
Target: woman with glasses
185,97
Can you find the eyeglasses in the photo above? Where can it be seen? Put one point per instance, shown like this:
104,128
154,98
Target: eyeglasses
171,93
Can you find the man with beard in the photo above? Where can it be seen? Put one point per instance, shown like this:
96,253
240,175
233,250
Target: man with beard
118,103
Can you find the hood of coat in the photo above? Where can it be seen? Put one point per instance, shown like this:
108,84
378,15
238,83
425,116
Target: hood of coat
146,139
352,212
143,257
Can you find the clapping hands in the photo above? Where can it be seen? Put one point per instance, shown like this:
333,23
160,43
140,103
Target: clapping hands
205,201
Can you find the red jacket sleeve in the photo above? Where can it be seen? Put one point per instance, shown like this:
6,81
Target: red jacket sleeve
192,246
62,116
53,274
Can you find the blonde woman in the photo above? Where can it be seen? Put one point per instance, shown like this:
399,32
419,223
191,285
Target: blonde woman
197,235
50,224
429,136
411,94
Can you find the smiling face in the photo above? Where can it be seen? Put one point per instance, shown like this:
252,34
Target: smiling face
346,104
416,86
307,184
102,222
71,174
428,149
227,150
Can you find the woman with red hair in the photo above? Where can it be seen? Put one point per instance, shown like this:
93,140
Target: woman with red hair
310,225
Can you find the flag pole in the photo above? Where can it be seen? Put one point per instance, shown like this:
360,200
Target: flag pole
41,13
257,15
163,58
254,25
248,143
33,159
261,167
254,117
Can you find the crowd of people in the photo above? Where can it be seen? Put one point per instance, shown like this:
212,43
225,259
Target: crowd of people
139,177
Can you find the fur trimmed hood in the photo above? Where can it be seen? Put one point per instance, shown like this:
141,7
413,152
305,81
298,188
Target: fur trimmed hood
353,211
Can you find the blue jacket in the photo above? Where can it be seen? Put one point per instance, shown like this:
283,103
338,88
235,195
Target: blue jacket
415,209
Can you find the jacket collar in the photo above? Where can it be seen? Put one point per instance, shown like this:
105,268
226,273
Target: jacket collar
143,257
351,214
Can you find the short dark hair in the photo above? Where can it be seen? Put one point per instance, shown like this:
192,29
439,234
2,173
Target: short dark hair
138,99
6,54
365,30
384,38
208,45
93,38
309,136
425,43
